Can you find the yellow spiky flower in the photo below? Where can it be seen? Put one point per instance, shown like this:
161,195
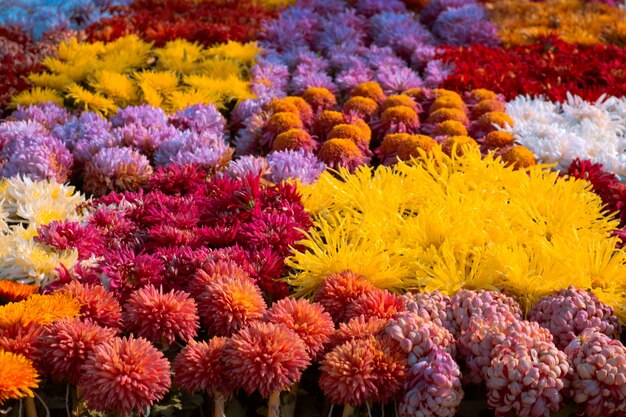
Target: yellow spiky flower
18,376
36,95
118,87
450,222
87,100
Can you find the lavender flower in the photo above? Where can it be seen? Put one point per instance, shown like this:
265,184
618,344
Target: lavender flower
116,169
247,165
299,164
464,26
200,118
49,115
189,147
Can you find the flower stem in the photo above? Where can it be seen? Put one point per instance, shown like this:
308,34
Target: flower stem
219,402
273,405
348,410
31,409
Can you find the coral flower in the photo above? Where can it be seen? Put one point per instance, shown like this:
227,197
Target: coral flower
265,357
362,370
339,290
400,100
125,375
95,303
14,291
319,98
228,304
360,327
159,316
371,90
338,153
325,121
308,320
199,367
66,344
375,303
455,144
352,132
498,139
441,115
450,128
411,146
519,157
362,107
18,376
293,139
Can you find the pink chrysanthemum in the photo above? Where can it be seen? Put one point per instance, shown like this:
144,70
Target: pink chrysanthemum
376,303
66,344
419,337
96,304
434,387
200,367
598,374
358,328
212,270
228,304
526,380
467,303
362,370
568,312
124,375
265,357
339,290
432,305
159,316
308,320
22,340
483,334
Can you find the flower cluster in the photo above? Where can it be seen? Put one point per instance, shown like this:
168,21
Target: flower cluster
447,223
551,68
102,77
161,21
37,18
44,142
574,21
561,132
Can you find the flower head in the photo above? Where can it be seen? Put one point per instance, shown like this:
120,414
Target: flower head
18,376
124,375
293,139
308,320
116,169
371,90
467,303
319,99
377,303
567,313
339,290
96,304
298,164
199,367
360,327
450,128
265,357
66,344
338,153
486,106
228,304
519,157
14,291
159,316
363,107
498,139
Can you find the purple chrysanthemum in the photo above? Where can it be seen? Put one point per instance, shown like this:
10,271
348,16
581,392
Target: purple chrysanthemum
299,164
116,169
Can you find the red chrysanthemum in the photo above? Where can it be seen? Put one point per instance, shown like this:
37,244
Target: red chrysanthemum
375,303
96,304
265,357
200,367
66,344
339,290
308,320
228,304
124,375
159,316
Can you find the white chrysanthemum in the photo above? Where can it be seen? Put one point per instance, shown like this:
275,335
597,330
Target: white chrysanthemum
558,133
28,262
38,202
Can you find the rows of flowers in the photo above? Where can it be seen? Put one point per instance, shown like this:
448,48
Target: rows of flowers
313,208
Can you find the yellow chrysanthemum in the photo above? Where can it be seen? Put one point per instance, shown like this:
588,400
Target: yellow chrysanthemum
179,55
234,50
87,100
18,376
221,68
39,309
48,80
179,100
116,86
34,96
446,223
125,54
